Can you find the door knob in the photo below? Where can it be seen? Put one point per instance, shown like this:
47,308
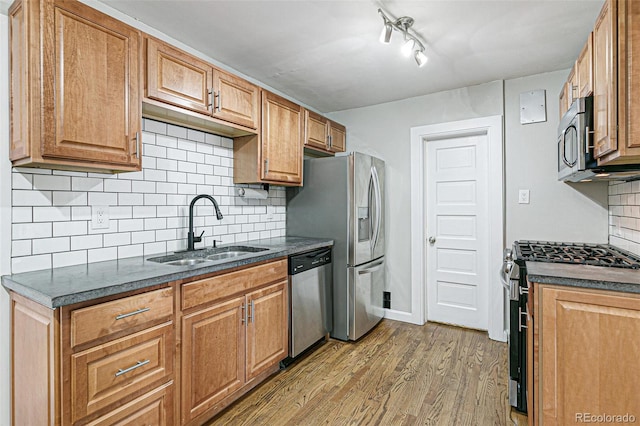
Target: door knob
432,240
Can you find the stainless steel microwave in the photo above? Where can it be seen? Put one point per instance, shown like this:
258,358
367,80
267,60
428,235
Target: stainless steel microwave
574,133
576,162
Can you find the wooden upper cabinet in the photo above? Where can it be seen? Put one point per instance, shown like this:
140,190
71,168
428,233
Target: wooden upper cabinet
182,80
178,78
617,83
323,134
584,69
563,106
282,139
236,100
572,86
337,137
316,134
75,88
604,80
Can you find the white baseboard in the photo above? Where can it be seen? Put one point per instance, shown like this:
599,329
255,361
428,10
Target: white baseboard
402,316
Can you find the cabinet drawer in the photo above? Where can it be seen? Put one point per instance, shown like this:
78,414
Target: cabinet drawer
108,318
153,408
111,372
211,289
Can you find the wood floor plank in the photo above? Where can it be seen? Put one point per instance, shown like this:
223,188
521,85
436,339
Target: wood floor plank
398,374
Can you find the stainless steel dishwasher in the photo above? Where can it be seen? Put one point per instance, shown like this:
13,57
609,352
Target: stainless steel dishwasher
310,309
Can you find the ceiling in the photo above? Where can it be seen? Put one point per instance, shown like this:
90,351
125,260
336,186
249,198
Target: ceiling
327,55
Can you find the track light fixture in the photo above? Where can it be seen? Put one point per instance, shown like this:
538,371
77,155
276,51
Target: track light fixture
412,45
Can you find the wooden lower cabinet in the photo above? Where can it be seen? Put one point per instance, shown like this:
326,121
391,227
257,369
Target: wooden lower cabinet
212,356
588,352
230,346
148,357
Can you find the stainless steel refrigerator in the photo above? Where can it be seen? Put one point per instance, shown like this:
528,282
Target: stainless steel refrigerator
343,199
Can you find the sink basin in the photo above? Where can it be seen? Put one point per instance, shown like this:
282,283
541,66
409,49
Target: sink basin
190,258
186,262
226,255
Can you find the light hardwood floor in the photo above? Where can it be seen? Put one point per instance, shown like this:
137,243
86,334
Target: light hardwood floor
399,374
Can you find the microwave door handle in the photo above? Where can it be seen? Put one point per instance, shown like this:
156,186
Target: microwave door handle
587,132
564,148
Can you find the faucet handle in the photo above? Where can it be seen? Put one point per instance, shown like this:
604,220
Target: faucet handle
198,239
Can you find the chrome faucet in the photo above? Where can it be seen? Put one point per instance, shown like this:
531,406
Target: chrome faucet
191,239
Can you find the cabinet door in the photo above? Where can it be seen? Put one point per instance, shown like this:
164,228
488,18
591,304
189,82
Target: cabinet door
91,86
316,130
337,137
267,328
589,353
178,78
572,86
584,67
562,101
213,358
604,80
282,134
236,100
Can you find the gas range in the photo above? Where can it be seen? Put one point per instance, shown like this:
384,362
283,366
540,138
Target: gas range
575,253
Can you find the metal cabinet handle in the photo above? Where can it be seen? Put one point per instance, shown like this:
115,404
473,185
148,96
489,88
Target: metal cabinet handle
137,151
219,101
133,367
211,103
587,132
266,166
243,314
130,314
251,317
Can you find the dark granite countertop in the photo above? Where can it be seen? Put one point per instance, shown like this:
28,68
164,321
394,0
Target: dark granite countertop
73,284
586,276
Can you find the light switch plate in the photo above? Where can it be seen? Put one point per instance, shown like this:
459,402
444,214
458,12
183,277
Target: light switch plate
523,196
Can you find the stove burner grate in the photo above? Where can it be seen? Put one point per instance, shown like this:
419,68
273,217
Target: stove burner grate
576,253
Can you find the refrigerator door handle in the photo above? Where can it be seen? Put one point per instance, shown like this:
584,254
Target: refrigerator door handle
376,266
376,189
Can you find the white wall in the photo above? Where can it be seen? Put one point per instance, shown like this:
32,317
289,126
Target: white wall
5,222
557,211
384,131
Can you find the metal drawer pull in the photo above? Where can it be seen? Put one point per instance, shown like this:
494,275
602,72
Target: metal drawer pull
130,314
133,367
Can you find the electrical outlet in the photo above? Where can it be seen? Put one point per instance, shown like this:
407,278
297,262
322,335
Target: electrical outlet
99,217
523,196
270,210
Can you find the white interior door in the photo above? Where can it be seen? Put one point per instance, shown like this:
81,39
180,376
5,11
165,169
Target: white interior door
457,228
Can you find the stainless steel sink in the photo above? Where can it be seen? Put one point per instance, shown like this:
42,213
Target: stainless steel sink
190,258
185,262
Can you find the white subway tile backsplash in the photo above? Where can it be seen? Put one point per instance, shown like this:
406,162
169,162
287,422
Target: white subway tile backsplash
22,214
30,263
21,248
103,198
62,198
31,198
103,254
148,210
177,131
77,227
50,245
53,183
22,181
51,214
86,242
130,251
87,184
29,231
69,258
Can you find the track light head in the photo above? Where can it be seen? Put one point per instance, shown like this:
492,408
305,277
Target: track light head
412,44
